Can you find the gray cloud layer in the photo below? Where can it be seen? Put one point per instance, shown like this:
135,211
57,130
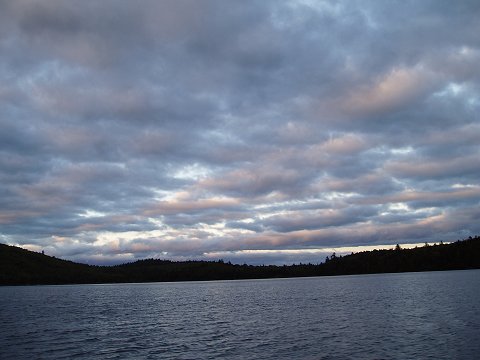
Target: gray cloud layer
197,129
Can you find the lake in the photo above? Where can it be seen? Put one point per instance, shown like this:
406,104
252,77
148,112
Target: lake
430,315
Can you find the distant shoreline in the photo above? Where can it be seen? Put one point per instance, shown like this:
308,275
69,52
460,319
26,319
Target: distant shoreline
23,267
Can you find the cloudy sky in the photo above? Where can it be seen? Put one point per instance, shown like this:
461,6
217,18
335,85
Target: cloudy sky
253,131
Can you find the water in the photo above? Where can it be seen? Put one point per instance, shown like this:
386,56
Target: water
433,315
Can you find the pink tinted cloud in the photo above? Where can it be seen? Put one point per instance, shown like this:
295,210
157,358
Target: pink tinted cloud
424,168
171,207
468,193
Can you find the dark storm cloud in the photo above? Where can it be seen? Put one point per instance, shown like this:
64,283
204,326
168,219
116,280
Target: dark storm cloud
251,130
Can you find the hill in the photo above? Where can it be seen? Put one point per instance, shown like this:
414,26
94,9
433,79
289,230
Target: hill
22,267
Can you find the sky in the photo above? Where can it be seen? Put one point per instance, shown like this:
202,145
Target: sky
259,132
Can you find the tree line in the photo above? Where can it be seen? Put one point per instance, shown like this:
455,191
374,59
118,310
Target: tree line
22,267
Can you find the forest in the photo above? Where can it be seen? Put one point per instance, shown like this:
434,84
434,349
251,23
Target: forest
23,267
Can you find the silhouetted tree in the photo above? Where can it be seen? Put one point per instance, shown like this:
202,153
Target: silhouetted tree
19,266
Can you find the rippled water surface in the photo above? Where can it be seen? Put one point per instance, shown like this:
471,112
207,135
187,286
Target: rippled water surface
432,315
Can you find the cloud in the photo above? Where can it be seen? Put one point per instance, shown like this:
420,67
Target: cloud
446,167
256,131
390,92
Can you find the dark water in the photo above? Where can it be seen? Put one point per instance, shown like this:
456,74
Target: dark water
432,315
